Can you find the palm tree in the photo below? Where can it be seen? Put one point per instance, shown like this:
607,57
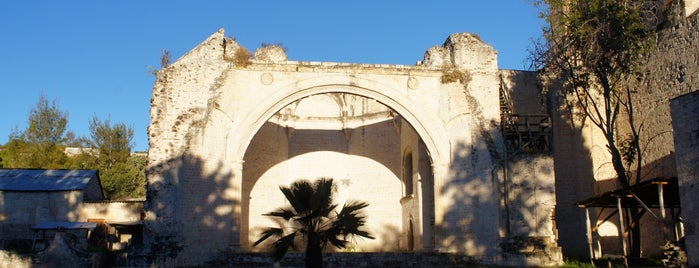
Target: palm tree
312,215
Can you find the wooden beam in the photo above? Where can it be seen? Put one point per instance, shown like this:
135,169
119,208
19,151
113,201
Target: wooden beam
589,235
621,231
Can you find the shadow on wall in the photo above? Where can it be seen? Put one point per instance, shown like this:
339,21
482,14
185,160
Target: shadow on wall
471,199
574,176
487,211
191,192
20,211
529,201
276,156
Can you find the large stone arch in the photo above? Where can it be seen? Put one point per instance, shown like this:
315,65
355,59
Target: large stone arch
433,136
426,124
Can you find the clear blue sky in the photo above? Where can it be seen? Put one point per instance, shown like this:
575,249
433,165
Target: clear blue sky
93,56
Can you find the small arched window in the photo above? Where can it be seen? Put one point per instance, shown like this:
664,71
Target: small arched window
411,239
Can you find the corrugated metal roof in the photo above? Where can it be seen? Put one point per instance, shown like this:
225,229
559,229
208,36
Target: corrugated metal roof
45,179
54,225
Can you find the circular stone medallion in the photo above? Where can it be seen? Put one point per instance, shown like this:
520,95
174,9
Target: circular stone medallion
413,83
266,78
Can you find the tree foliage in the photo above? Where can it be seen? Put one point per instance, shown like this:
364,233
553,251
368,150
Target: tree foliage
312,216
122,175
40,145
125,179
594,47
112,142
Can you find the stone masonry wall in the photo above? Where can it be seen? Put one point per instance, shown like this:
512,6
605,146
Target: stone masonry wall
112,211
672,69
685,121
531,180
363,166
22,210
208,106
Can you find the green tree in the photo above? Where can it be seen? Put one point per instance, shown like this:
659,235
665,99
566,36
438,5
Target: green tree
41,144
125,179
120,172
312,216
108,150
112,142
594,47
84,160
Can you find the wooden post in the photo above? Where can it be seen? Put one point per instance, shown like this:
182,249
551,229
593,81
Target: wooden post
589,236
661,201
622,230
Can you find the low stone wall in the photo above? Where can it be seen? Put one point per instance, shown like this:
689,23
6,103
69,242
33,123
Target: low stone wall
112,211
386,260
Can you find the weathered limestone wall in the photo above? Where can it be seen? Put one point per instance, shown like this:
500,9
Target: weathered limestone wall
22,210
685,122
525,91
670,71
414,173
476,147
112,211
532,196
530,193
363,163
210,125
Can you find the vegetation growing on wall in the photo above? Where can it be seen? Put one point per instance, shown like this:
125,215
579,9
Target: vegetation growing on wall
453,75
165,58
241,57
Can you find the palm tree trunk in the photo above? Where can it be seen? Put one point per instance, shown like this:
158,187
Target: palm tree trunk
314,255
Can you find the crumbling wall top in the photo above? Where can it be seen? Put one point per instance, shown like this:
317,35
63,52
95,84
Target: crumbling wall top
271,54
463,51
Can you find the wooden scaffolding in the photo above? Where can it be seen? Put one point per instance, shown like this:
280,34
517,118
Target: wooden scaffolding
661,194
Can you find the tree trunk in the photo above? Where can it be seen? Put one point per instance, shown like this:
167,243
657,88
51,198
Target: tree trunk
634,222
314,254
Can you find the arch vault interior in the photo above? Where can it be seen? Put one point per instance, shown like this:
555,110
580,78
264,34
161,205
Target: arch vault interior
370,152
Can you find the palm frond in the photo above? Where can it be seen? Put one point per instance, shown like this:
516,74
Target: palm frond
283,213
354,205
281,246
313,214
350,220
299,195
364,234
338,243
268,233
322,196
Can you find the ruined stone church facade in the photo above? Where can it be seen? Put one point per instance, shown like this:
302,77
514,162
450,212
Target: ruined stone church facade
423,145
453,154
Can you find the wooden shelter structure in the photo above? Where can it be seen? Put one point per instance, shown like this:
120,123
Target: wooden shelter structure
661,194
